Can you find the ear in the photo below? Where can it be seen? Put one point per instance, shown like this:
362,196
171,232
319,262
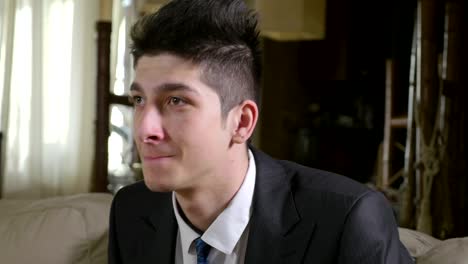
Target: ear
246,116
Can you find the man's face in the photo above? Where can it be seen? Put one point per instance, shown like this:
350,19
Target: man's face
178,126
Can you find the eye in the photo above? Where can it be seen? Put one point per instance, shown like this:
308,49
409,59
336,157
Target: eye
136,100
173,100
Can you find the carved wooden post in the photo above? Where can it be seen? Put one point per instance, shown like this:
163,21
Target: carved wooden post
428,106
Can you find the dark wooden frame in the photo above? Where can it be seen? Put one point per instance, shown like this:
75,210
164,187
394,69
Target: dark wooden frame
105,98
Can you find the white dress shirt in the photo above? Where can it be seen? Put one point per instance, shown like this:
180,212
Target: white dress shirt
229,232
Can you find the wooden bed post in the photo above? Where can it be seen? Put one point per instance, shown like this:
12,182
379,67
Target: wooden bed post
100,180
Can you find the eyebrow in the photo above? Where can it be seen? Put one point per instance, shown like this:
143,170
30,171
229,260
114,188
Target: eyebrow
166,87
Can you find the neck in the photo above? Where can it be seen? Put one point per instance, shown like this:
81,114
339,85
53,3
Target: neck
203,204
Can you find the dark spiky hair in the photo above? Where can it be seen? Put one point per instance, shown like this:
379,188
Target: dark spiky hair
221,36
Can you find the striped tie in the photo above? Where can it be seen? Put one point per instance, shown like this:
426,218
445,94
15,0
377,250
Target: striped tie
203,249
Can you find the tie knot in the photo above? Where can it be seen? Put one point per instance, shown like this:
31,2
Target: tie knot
203,249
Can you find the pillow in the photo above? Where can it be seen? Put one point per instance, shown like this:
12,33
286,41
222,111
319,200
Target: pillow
450,251
417,243
57,230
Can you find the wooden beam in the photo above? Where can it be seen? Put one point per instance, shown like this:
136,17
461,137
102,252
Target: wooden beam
100,180
408,208
388,137
399,122
450,192
429,67
428,106
119,99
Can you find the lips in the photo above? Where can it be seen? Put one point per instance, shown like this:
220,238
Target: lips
156,158
161,153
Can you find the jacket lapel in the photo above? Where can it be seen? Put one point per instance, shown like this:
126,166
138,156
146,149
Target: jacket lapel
277,234
159,240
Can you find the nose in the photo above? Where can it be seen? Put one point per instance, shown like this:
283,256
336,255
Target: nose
148,126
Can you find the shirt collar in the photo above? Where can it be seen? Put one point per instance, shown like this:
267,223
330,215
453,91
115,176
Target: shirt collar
224,233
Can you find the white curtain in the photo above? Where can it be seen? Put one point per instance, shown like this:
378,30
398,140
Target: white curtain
48,96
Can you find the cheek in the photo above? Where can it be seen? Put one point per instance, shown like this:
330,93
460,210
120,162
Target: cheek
197,130
135,127
194,121
136,123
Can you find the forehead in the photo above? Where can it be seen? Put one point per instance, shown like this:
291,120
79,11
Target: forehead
165,66
167,72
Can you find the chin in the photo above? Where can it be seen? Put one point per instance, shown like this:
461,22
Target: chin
158,183
158,187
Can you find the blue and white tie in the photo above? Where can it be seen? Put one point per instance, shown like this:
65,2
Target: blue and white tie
203,249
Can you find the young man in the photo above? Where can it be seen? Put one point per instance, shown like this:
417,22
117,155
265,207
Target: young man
207,195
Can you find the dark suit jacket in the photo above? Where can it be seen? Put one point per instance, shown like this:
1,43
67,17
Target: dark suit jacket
300,215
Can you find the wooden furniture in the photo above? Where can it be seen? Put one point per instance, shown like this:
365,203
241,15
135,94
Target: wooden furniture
105,98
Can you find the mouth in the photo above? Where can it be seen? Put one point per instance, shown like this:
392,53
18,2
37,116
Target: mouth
156,158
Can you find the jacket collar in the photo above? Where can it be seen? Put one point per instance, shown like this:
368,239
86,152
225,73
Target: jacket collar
276,230
158,243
